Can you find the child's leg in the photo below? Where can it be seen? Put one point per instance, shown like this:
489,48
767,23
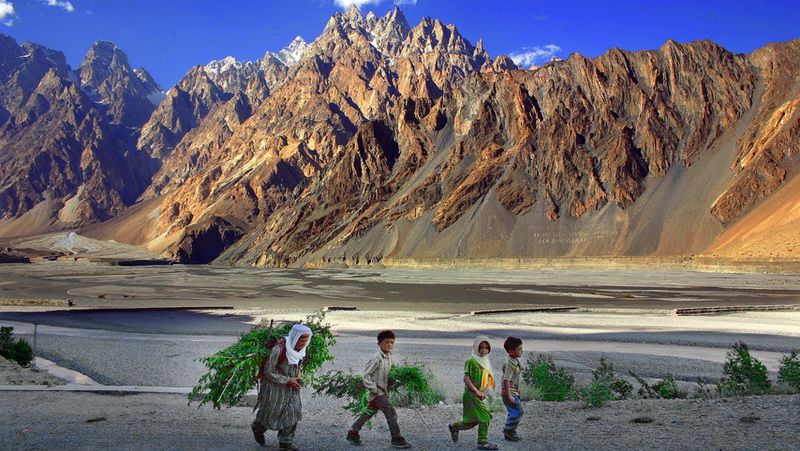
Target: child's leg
363,418
483,432
515,413
382,403
462,426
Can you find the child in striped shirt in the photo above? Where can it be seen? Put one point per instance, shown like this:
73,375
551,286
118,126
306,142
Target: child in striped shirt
376,380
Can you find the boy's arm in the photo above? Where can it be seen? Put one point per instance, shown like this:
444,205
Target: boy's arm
507,391
507,375
369,376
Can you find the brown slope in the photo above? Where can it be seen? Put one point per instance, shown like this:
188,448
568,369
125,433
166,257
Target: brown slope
624,154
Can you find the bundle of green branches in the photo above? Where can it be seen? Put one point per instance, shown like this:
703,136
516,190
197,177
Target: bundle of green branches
233,371
412,386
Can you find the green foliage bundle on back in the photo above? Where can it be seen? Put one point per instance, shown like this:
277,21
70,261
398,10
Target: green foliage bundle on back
789,371
233,371
546,382
744,374
348,386
15,350
413,385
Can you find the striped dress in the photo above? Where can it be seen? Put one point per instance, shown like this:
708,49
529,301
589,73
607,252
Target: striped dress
279,406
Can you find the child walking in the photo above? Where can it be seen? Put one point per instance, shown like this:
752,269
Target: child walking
478,379
511,396
376,380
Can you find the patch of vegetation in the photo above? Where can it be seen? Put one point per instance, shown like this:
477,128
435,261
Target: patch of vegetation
16,350
702,392
642,420
789,370
599,391
593,418
666,388
749,419
622,388
233,371
545,381
744,374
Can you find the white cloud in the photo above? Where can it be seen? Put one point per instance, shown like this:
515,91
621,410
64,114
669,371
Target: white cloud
67,5
7,13
530,56
405,2
348,3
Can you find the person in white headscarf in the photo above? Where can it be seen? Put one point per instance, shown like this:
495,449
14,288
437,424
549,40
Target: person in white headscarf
478,380
279,406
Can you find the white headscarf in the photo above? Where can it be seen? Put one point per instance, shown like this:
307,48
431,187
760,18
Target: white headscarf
297,331
482,361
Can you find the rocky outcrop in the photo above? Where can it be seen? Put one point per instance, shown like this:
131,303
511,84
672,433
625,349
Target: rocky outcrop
768,151
128,96
66,160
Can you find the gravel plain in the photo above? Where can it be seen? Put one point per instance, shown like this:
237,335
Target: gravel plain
45,421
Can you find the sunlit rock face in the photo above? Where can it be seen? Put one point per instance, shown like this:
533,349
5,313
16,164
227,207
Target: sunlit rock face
381,140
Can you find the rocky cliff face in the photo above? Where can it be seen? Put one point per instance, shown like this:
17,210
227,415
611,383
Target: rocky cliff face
67,155
381,140
128,96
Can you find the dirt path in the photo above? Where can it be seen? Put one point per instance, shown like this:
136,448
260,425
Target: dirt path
151,421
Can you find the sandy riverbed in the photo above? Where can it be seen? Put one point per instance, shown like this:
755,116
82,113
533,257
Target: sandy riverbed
624,316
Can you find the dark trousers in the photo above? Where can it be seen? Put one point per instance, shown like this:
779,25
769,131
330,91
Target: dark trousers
381,403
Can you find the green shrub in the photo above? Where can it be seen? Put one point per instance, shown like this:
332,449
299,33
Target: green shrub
15,350
545,381
622,388
596,394
789,371
666,388
233,371
744,374
599,391
702,392
5,336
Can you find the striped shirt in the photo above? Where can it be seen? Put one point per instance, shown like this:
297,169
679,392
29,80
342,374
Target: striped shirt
511,370
376,373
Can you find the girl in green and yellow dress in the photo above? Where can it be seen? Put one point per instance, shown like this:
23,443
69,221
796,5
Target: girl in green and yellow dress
478,380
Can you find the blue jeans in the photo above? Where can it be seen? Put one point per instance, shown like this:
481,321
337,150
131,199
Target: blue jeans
515,413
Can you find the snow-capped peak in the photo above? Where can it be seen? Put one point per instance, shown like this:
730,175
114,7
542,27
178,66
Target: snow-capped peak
294,52
216,67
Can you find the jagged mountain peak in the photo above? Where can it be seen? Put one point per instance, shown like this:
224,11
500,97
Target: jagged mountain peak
294,52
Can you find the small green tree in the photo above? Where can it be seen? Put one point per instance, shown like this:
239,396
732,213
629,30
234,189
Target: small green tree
545,380
789,370
744,374
15,350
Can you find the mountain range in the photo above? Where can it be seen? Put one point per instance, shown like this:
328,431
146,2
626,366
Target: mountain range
380,140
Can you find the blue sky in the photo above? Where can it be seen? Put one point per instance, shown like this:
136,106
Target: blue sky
167,37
